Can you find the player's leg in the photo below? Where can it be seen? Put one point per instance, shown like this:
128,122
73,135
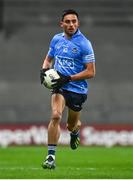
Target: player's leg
57,105
74,101
73,125
73,121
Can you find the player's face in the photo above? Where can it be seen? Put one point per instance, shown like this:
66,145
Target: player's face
70,24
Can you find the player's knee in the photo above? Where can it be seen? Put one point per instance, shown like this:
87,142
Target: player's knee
56,115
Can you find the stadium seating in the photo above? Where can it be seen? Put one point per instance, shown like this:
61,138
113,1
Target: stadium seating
96,12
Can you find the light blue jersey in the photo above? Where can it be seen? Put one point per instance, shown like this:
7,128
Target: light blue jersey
70,57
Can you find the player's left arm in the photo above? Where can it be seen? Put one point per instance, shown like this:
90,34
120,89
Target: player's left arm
88,59
88,73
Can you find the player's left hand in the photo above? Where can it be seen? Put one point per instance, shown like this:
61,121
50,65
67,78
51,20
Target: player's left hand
61,81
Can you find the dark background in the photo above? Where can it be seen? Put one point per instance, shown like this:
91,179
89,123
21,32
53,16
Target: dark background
26,28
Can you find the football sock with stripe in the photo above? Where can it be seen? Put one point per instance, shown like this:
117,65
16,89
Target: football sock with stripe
51,149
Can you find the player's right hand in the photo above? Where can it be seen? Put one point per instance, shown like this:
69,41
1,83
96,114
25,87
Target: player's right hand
42,74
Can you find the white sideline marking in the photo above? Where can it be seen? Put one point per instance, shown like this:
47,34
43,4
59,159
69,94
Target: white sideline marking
85,168
36,168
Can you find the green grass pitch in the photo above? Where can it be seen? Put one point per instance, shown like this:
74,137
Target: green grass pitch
83,163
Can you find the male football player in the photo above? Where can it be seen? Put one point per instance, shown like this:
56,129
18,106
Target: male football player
74,60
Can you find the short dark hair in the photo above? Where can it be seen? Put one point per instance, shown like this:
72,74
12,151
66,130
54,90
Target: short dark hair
69,11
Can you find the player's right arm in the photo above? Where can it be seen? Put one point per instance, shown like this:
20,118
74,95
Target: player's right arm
47,63
51,52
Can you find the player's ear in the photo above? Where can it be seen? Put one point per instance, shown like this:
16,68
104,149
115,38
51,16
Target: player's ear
78,23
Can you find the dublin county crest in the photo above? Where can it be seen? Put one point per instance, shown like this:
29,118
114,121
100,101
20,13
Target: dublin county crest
74,50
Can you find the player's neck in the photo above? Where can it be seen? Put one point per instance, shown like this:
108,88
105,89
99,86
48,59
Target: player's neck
69,36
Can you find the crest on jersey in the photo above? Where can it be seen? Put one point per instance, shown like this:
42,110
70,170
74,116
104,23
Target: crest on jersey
74,50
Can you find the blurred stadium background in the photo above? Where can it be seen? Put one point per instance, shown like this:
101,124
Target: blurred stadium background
26,28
